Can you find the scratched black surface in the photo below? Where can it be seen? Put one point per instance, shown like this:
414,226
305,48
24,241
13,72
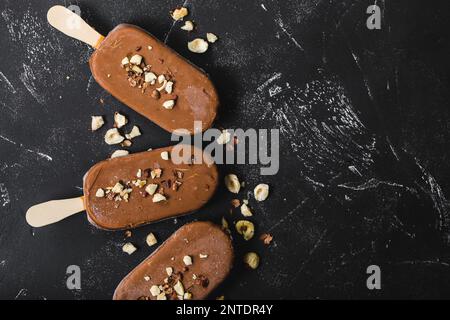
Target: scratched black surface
364,119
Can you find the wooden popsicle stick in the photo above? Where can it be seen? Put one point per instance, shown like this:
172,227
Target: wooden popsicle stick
53,211
72,25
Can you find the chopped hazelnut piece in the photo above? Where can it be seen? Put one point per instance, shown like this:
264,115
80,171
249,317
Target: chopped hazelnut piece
139,173
154,290
97,122
125,61
113,136
156,94
245,228
136,59
203,256
151,239
159,197
135,132
161,78
146,278
245,210
150,77
187,296
169,87
137,70
225,225
151,189
251,259
179,13
126,143
211,37
198,45
187,260
100,193
266,238
119,120
220,298
169,271
232,183
188,26
169,104
224,137
261,192
235,203
165,155
118,188
129,248
119,153
179,288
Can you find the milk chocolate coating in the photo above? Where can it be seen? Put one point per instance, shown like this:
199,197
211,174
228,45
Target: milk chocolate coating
197,98
192,239
199,183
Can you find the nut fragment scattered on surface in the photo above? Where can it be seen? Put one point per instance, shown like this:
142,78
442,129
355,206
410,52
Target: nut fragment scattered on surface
113,136
154,290
118,188
211,37
169,271
187,296
225,226
156,94
232,183
119,120
266,238
203,256
224,137
179,13
261,192
136,59
135,132
245,228
198,45
235,203
150,77
125,61
251,259
97,122
146,278
169,87
126,143
169,104
129,248
159,197
151,239
119,153
151,188
100,193
187,260
245,210
179,288
165,155
188,26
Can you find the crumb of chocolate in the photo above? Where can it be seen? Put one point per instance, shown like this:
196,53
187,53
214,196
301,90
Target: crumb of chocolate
179,13
176,185
266,238
201,280
97,122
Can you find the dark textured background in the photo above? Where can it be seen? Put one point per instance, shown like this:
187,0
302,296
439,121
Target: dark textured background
364,119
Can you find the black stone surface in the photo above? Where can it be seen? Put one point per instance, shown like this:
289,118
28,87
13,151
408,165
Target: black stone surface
364,120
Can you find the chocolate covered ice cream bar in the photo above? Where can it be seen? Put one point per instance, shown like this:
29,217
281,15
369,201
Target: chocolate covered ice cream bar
188,265
146,75
129,191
